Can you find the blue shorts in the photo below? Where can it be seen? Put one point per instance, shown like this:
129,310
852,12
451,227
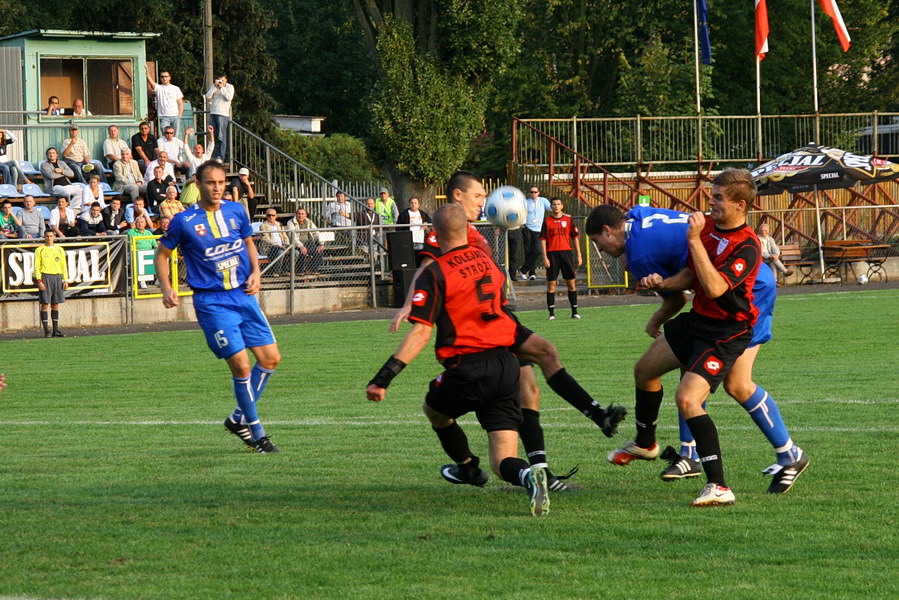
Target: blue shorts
231,321
764,294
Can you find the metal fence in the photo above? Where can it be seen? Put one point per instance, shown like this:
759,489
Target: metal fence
696,139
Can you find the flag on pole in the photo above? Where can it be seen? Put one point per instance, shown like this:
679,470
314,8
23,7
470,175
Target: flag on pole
705,44
833,11
761,28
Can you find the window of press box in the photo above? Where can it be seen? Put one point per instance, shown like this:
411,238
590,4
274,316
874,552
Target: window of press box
106,85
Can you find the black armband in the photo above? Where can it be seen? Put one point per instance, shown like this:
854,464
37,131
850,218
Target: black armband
391,369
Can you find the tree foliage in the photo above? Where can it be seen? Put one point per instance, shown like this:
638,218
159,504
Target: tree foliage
339,156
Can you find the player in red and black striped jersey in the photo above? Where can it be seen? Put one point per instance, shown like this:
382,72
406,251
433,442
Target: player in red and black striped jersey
461,293
558,238
465,189
705,342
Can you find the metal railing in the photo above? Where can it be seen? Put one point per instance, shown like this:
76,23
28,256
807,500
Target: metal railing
692,140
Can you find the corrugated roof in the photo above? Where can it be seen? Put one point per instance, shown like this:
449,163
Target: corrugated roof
62,33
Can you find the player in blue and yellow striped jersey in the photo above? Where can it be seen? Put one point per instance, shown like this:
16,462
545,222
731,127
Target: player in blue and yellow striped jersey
215,239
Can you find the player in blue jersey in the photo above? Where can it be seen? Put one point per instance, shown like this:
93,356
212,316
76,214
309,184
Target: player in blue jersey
215,239
654,240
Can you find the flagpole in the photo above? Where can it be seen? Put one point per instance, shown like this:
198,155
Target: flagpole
758,103
814,62
696,56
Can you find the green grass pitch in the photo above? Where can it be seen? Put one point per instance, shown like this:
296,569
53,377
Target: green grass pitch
119,481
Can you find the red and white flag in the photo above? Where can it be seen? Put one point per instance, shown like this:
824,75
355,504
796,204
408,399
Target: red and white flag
833,11
761,28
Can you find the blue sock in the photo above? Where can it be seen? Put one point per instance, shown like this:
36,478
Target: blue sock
259,377
763,410
247,403
687,443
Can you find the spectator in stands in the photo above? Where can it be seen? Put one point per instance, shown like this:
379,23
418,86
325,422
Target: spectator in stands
163,226
274,240
220,96
174,149
308,243
58,176
415,217
92,193
770,251
339,213
141,229
10,225
8,168
138,209
63,221
114,217
241,189
199,155
162,160
33,225
91,222
53,109
128,177
368,217
169,101
143,146
50,273
78,109
170,206
386,207
154,192
113,146
78,156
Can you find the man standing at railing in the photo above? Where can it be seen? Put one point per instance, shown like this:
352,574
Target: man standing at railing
536,205
220,96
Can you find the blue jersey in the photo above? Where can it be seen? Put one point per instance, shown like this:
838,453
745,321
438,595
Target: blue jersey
656,242
212,244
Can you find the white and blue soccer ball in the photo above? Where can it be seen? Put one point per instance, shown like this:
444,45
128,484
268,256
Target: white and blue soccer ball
862,279
505,207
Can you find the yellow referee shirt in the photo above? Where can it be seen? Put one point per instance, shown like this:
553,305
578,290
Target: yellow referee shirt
50,260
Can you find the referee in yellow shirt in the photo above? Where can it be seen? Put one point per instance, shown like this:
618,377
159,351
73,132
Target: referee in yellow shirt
50,272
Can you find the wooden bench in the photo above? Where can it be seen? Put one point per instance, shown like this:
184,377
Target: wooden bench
791,256
842,255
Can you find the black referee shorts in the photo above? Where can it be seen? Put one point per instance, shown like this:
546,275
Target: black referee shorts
560,262
708,347
52,292
485,383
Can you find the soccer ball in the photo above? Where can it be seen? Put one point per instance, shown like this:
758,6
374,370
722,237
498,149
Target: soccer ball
505,207
862,279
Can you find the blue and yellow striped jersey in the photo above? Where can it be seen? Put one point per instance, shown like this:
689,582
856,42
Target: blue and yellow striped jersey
212,244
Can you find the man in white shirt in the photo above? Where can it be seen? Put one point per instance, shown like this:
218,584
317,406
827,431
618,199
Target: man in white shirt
174,148
220,96
200,154
113,146
162,160
78,156
169,101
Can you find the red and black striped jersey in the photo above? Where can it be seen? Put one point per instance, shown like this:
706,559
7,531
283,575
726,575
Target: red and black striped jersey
461,293
558,233
736,254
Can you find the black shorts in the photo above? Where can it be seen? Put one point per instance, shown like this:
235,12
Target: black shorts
560,262
708,347
485,383
52,292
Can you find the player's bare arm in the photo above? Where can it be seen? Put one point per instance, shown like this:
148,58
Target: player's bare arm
671,305
709,278
545,257
403,313
161,262
409,348
254,280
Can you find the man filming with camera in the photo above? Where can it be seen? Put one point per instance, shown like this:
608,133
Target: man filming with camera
220,96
